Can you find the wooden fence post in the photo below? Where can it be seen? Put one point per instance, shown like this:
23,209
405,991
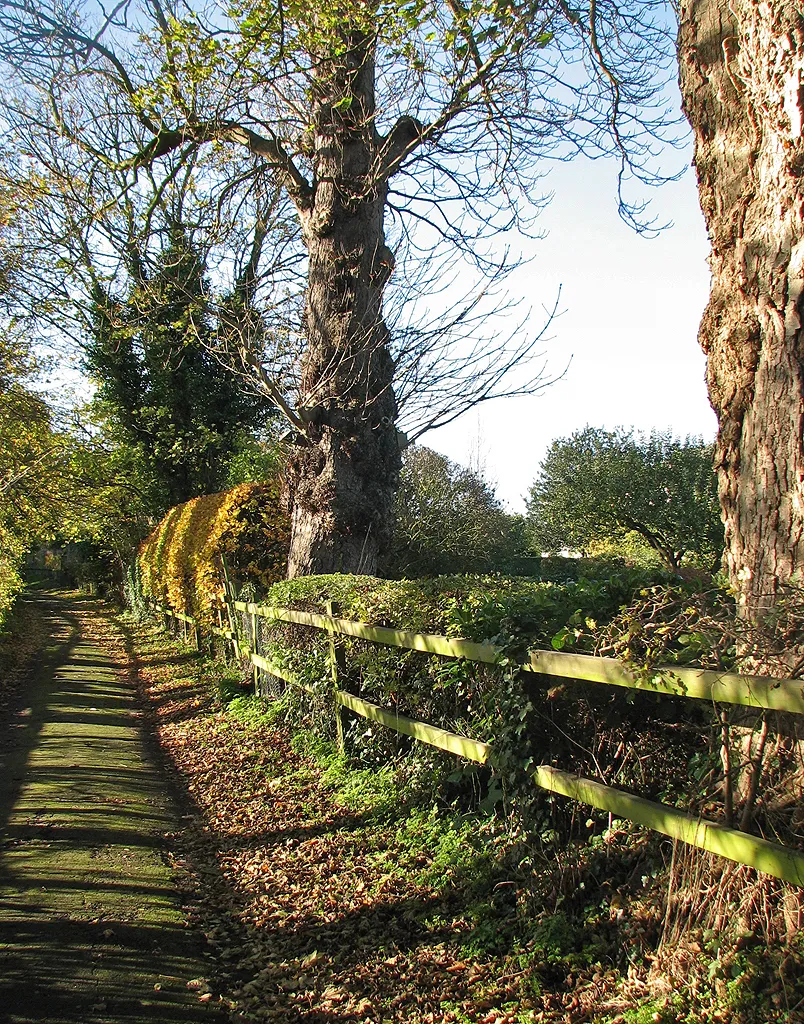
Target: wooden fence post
229,599
255,647
336,662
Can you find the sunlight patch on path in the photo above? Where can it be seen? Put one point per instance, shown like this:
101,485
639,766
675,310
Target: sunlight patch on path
90,925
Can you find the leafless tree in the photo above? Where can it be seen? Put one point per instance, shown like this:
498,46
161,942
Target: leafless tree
408,138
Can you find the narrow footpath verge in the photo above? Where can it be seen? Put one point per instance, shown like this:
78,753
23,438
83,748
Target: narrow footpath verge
321,909
92,927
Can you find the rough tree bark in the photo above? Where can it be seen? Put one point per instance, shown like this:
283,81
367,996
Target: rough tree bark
344,473
742,81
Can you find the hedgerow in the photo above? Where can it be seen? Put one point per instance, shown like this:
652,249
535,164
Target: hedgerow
528,719
476,607
180,561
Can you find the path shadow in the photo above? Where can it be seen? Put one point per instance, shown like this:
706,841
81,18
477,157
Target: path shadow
63,970
91,928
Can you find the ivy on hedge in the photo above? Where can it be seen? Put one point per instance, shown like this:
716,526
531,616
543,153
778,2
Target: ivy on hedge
527,720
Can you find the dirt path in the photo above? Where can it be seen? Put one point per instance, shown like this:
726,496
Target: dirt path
91,927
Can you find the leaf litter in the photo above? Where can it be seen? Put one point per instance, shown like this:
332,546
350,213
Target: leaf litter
314,912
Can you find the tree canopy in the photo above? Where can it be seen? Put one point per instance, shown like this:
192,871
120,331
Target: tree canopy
377,148
599,485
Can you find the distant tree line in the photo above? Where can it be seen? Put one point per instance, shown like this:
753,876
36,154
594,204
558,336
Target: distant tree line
169,422
643,497
448,520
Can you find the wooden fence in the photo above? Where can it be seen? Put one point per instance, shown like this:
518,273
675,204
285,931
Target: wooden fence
750,691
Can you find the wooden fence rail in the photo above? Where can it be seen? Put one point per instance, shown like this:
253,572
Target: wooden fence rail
677,681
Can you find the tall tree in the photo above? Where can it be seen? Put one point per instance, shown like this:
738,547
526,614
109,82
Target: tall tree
742,79
420,123
600,485
152,358
32,456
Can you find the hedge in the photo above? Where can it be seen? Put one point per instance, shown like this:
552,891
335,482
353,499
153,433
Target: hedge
528,720
180,561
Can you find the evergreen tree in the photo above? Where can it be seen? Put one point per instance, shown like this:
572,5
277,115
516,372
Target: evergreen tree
152,358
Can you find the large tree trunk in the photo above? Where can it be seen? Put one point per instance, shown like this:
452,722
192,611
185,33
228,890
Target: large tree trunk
742,81
343,478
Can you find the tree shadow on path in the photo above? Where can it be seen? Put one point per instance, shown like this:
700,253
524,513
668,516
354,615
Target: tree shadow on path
91,928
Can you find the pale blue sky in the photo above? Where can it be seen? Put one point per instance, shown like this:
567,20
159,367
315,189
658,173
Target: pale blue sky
631,311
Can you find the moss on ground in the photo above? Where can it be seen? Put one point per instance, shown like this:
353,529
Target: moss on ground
91,928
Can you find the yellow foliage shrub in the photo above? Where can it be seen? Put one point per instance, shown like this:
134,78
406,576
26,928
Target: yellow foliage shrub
180,561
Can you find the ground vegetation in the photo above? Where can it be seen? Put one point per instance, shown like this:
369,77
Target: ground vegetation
400,906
